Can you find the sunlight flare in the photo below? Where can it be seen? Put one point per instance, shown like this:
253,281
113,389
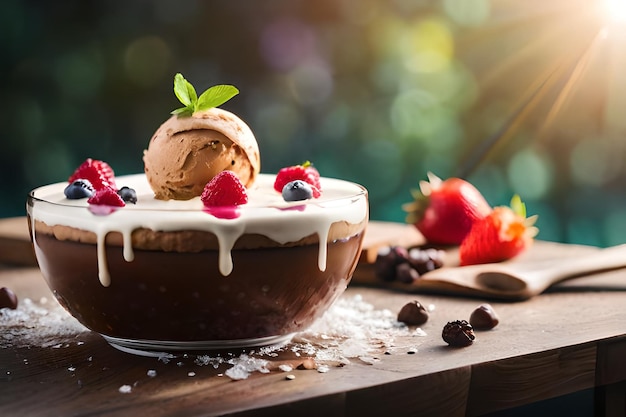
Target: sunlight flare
615,10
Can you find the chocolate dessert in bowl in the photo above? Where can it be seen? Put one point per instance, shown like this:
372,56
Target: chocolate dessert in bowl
202,251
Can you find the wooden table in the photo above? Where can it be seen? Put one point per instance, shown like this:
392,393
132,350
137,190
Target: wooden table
571,339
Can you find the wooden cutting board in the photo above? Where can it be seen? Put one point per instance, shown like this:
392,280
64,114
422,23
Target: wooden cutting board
15,246
16,249
546,265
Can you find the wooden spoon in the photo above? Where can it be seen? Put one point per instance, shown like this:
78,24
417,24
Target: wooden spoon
520,280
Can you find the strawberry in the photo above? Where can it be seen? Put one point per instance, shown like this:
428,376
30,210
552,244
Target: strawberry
225,189
444,211
305,172
501,235
106,196
98,173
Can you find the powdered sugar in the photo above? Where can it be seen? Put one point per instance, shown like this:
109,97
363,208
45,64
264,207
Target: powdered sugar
39,324
125,389
244,365
352,329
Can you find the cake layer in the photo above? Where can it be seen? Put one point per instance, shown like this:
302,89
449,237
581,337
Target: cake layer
185,226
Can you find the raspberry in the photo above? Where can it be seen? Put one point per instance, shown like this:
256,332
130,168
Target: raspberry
106,197
106,170
305,172
98,173
225,189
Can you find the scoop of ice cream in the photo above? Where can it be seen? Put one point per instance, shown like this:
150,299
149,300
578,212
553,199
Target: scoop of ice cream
186,152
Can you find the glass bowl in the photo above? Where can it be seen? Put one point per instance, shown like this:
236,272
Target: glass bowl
163,276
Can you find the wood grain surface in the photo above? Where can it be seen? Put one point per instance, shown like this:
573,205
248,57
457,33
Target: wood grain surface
560,342
572,337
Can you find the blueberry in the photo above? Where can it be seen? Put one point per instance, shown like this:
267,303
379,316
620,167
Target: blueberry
128,195
79,189
297,190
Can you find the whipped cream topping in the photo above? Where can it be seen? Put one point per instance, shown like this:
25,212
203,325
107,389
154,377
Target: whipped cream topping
266,214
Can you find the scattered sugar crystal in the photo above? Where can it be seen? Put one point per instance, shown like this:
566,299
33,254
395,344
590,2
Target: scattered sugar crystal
369,359
125,389
323,369
151,373
419,332
191,373
269,351
204,360
237,373
306,348
244,365
166,357
71,368
351,328
38,324
353,348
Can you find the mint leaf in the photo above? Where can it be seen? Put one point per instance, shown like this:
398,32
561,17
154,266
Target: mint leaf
183,111
216,96
184,91
213,97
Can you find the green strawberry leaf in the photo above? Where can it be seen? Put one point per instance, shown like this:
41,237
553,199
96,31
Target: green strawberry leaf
518,206
216,96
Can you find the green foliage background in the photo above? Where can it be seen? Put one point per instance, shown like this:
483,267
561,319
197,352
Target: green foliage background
378,92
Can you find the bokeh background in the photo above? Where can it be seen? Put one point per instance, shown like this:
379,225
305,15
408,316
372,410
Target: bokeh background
516,96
